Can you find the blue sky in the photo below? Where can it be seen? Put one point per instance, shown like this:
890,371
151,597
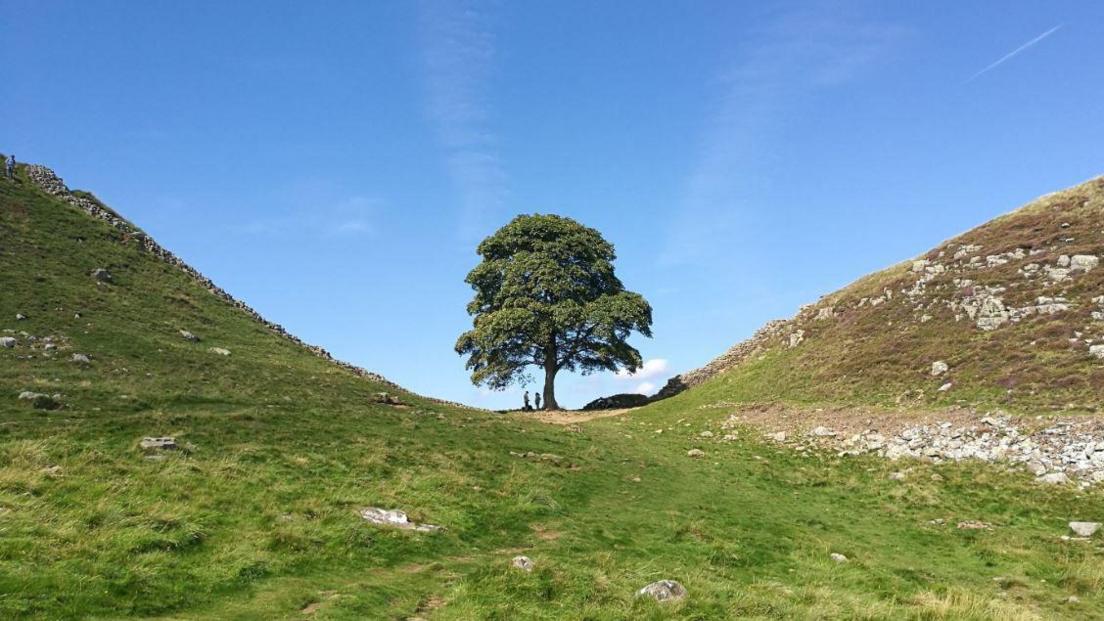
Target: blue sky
334,164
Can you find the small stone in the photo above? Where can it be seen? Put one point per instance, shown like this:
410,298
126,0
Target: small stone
778,436
695,453
1084,529
20,317
164,443
823,432
706,434
1073,599
524,563
220,351
1054,478
939,368
394,518
102,275
936,477
974,525
81,359
897,476
663,591
837,557
7,342
188,336
946,387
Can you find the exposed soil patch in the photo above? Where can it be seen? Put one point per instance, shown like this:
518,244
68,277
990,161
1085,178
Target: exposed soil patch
568,417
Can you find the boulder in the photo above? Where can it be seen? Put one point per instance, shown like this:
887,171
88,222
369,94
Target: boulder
395,519
1054,478
617,402
524,563
1097,351
1084,262
387,398
663,591
7,342
40,401
164,443
1084,529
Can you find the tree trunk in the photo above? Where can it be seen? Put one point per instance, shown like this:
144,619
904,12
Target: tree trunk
550,387
550,369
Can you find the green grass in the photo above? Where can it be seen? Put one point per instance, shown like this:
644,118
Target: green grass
258,520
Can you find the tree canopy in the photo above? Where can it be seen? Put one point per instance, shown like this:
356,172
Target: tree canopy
546,295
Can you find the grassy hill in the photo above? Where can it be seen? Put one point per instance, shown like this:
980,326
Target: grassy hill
1014,308
256,516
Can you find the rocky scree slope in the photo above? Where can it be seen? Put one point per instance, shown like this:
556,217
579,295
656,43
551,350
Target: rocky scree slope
1009,314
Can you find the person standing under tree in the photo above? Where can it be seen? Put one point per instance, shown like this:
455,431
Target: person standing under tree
536,400
525,401
11,167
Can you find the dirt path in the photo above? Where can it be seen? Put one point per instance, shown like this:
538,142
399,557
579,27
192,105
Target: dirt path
569,417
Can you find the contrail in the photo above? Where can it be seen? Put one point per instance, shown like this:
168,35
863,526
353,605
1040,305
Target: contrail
1014,52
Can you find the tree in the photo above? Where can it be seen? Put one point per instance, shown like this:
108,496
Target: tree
546,295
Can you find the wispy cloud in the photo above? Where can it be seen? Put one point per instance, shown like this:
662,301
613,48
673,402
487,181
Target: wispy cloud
352,216
773,72
1003,59
458,50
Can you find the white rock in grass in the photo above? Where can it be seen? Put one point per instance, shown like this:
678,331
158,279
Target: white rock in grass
695,453
837,557
395,519
81,359
1054,478
524,563
220,351
7,341
939,367
1084,529
163,443
663,591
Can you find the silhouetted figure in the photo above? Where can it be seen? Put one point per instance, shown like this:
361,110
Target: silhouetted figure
536,400
525,399
11,167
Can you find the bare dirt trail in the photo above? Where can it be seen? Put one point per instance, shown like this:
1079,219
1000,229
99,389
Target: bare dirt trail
568,417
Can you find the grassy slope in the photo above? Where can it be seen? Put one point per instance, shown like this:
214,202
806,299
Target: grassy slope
260,520
882,355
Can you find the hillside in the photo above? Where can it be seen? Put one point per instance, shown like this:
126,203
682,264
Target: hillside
1009,314
261,505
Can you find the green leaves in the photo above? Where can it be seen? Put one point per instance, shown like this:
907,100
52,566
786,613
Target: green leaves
546,295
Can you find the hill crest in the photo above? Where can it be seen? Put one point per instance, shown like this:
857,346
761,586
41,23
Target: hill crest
1009,308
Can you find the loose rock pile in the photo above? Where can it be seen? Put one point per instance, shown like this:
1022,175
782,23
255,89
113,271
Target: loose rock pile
1060,451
